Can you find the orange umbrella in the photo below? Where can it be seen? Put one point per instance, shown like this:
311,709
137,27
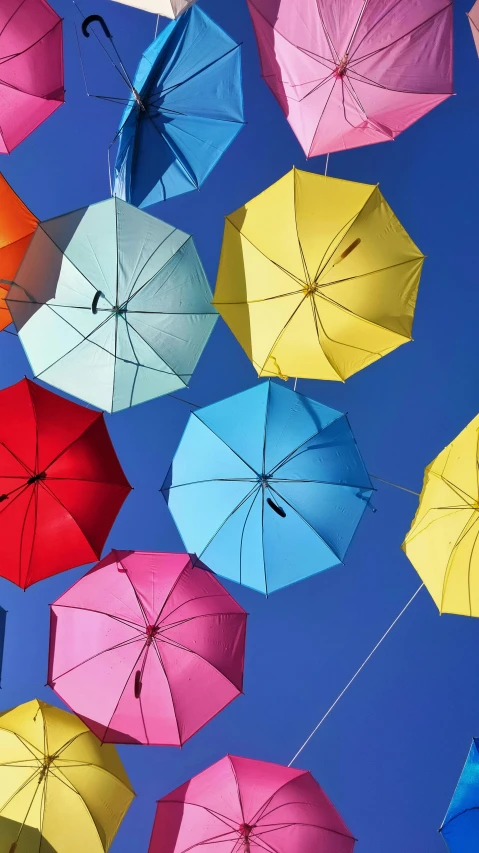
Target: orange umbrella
17,225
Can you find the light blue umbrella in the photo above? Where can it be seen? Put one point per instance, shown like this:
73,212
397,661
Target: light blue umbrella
112,305
460,828
267,487
186,110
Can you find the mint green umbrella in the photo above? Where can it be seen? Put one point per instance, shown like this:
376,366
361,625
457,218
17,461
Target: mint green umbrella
112,305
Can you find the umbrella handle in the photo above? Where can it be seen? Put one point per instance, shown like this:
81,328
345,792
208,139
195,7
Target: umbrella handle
91,18
138,684
96,299
278,509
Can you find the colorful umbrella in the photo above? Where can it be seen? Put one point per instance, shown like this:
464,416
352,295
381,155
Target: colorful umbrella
243,806
317,278
17,225
473,16
112,305
186,110
168,8
31,61
61,485
61,791
147,648
353,73
442,542
267,487
460,828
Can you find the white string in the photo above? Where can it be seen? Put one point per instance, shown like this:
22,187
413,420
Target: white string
326,166
295,383
157,25
348,685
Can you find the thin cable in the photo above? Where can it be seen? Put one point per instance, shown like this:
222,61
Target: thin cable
295,383
326,166
348,685
157,25
395,485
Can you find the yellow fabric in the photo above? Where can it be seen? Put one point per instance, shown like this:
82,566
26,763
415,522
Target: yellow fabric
317,278
61,790
442,543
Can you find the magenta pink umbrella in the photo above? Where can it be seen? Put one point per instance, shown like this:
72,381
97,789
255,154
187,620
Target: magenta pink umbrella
147,648
354,72
243,806
31,68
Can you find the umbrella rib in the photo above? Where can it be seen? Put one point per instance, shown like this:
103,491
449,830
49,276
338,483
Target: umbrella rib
280,334
35,515
242,535
330,547
191,177
177,645
303,259
21,539
5,60
18,791
122,621
227,519
167,89
60,502
160,659
9,19
346,228
456,489
134,294
107,727
173,371
396,41
354,74
68,447
262,809
370,272
290,274
139,602
81,663
221,817
159,621
68,784
189,619
462,535
220,438
317,324
17,459
135,275
358,317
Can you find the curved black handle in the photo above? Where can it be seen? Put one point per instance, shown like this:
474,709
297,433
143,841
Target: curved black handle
278,509
138,684
90,20
96,299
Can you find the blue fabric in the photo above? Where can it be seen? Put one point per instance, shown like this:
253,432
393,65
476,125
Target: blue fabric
460,828
268,442
189,86
3,620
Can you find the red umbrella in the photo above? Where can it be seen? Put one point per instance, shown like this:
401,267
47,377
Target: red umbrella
61,484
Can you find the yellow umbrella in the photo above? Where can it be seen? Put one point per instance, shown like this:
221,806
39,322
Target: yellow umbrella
442,543
61,791
317,278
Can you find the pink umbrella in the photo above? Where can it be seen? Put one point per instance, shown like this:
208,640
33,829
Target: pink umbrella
147,648
31,68
473,16
242,806
354,72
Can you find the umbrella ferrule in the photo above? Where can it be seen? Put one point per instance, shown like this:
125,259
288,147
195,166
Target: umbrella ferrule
36,478
341,68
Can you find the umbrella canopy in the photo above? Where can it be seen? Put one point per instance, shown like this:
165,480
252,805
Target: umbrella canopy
186,111
267,487
31,61
17,225
348,72
442,542
61,485
61,791
473,16
112,305
147,648
460,828
168,8
317,278
243,806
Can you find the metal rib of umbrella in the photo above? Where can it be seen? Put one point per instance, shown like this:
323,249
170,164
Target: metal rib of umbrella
267,487
185,111
354,73
61,790
112,305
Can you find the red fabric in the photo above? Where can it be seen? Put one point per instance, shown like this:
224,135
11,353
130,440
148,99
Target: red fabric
62,519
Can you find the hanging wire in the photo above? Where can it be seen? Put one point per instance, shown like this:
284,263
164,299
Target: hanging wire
295,383
326,166
395,485
157,25
351,680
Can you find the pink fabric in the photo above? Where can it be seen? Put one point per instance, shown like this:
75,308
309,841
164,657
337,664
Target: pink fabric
31,68
243,806
150,618
473,16
354,72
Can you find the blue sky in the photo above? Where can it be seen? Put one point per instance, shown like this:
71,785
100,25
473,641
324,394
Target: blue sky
390,754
